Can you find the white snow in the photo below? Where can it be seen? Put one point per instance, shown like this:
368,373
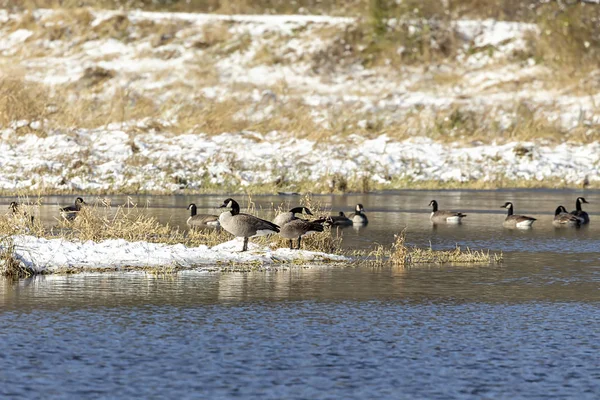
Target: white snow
105,160
52,255
127,155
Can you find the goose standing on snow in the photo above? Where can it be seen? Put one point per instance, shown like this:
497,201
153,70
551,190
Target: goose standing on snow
70,212
444,216
579,213
201,220
285,217
563,219
297,228
516,221
358,217
244,225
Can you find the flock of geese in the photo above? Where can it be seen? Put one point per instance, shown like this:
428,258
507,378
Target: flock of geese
289,226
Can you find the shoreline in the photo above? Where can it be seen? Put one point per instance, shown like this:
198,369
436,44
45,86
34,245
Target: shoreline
269,190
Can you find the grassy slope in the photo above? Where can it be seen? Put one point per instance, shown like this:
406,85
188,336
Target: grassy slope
568,49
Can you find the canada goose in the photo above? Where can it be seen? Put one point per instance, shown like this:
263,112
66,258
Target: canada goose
563,219
339,220
444,216
298,228
201,220
516,221
70,212
16,212
358,217
579,213
285,217
244,225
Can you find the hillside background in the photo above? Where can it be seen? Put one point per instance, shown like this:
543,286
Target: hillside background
323,96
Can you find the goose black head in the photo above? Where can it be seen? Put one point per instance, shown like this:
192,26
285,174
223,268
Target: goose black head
359,208
559,210
298,210
508,204
13,206
581,199
342,214
192,208
231,203
434,204
79,200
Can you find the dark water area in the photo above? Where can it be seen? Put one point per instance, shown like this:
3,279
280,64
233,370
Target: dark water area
526,328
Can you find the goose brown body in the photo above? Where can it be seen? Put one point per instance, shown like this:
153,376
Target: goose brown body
444,216
244,225
516,221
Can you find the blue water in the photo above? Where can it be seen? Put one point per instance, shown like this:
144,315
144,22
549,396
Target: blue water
527,328
304,350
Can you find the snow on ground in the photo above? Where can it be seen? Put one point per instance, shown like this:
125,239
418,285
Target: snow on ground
51,255
261,62
107,162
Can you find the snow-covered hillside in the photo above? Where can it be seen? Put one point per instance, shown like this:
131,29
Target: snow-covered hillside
181,101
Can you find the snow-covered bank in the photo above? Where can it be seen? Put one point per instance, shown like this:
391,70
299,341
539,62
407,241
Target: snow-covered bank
39,255
159,86
104,160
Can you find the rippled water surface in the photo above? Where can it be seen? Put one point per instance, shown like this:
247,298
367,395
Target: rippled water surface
527,328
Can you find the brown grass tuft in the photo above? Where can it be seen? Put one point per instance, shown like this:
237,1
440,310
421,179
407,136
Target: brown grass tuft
10,266
20,100
399,254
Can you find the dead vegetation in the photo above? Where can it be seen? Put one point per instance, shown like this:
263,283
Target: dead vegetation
403,256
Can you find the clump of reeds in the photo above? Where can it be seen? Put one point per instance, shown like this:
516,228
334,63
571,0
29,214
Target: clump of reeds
455,256
208,237
102,221
399,253
10,266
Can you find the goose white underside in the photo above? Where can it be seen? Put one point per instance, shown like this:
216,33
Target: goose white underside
264,232
358,220
453,220
525,224
216,224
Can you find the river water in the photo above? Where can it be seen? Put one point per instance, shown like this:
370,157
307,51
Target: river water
526,328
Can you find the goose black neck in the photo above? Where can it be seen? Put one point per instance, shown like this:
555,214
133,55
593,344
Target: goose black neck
435,206
558,211
297,210
235,207
510,210
578,204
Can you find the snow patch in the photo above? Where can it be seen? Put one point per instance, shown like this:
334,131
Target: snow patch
51,255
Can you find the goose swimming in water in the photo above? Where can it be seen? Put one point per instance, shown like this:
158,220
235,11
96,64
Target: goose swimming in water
579,213
516,221
17,212
70,212
564,219
201,220
358,217
444,216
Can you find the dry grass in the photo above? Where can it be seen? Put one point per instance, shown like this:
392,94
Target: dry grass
21,101
10,266
400,255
